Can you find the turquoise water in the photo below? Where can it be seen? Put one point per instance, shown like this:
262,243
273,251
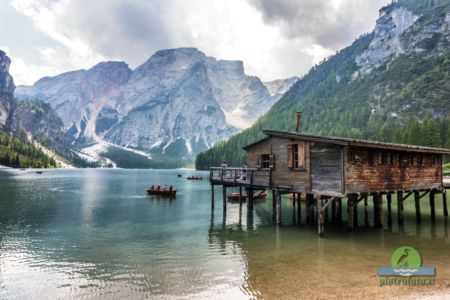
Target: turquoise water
94,233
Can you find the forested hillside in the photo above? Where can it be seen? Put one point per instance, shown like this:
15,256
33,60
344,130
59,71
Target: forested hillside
17,152
390,85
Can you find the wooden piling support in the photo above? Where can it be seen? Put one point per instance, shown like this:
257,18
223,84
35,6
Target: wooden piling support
299,208
250,202
351,211
339,210
308,207
444,202
333,210
224,196
400,207
366,211
320,216
325,203
432,206
274,204
278,207
212,196
417,204
389,206
240,196
378,210
355,213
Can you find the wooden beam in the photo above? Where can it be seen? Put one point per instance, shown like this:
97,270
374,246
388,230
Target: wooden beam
309,200
224,198
278,207
417,204
250,201
320,216
389,205
240,196
432,206
400,207
378,210
444,202
351,199
366,211
333,210
339,208
212,196
407,195
299,208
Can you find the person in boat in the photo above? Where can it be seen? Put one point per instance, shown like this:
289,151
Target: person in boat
158,187
224,167
170,188
243,173
152,187
165,187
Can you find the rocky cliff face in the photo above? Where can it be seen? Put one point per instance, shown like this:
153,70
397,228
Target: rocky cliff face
178,103
6,90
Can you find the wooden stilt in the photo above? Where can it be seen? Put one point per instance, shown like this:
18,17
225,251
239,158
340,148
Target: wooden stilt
400,207
351,211
325,202
308,208
320,216
339,212
366,211
432,206
278,207
355,213
389,205
417,204
444,202
299,208
250,202
212,196
240,195
224,196
312,206
378,210
274,204
333,211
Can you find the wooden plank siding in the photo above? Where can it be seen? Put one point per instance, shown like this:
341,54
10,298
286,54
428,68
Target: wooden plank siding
365,173
326,167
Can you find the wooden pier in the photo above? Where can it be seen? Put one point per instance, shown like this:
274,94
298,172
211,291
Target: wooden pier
324,171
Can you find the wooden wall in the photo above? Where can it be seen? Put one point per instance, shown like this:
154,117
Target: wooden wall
364,173
326,167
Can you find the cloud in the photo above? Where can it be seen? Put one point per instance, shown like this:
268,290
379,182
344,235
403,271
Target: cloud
275,39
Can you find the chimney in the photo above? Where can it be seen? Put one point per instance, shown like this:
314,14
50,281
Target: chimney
297,125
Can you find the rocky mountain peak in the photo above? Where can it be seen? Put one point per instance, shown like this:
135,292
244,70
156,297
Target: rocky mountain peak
7,88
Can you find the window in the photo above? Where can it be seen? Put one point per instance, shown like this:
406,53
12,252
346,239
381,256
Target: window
389,158
351,157
296,156
419,160
411,159
365,157
380,158
265,161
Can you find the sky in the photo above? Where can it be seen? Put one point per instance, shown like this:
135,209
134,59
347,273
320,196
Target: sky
275,38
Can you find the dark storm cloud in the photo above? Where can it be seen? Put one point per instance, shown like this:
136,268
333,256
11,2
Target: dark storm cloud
330,23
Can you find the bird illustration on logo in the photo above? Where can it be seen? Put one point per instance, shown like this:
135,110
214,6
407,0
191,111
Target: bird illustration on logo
403,260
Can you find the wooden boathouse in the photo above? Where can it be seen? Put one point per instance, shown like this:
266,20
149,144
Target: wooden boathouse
327,169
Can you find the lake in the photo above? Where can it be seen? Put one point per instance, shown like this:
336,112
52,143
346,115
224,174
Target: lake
94,233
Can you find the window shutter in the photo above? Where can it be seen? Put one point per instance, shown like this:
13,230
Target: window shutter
301,155
289,156
271,161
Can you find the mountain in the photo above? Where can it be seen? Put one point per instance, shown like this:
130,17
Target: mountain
389,85
25,127
176,104
6,90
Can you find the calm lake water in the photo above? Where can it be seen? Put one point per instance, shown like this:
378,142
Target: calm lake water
94,233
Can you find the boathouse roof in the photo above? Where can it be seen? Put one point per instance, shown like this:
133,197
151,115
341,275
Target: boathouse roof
348,142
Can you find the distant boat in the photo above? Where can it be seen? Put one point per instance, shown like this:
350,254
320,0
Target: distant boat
38,172
194,178
232,197
179,175
162,192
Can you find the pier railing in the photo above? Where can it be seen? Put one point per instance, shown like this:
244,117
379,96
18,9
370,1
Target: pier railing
238,176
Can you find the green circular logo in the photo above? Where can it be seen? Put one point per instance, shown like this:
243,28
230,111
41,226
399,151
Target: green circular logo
406,257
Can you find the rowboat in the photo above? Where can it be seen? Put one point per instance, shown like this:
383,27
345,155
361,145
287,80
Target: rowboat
169,193
256,196
194,178
38,172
